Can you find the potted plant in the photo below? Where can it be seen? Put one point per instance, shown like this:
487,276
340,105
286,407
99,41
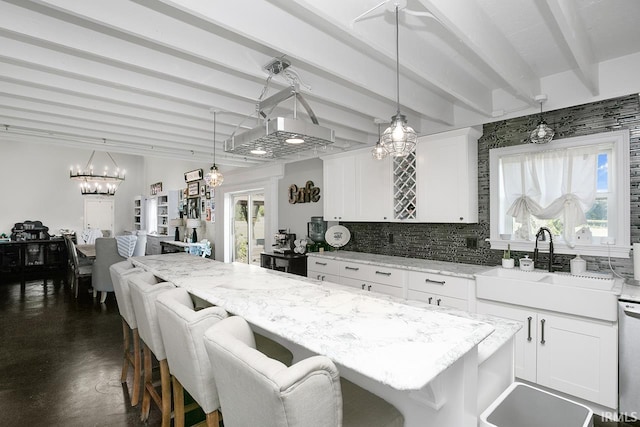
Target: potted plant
507,261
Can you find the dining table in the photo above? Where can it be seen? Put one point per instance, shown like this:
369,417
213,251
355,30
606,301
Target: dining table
87,251
422,359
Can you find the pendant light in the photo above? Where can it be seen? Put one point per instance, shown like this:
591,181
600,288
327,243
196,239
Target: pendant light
398,139
214,178
542,134
378,151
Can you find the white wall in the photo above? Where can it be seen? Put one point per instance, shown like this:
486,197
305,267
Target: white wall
296,216
35,184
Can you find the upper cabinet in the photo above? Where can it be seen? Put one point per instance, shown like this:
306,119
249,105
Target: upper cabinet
447,171
438,183
357,188
339,181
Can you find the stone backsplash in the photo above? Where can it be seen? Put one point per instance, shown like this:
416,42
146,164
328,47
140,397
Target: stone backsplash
450,242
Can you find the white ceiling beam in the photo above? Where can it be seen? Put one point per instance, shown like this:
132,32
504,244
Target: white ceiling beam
470,24
272,27
568,21
436,71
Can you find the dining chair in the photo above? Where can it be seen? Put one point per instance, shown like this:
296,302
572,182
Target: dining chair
120,273
78,271
144,292
256,390
106,255
182,329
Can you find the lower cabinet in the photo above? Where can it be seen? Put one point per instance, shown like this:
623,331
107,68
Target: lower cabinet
438,289
153,243
323,269
573,355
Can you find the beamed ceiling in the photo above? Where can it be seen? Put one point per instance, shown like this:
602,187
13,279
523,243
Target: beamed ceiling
142,76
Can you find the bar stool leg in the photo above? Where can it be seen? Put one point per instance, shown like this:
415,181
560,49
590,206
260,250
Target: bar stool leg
137,368
178,403
165,383
146,397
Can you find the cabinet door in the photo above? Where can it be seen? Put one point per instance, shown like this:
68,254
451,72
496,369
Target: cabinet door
339,188
448,177
526,339
374,188
578,357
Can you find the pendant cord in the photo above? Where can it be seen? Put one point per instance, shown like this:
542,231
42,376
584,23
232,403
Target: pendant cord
214,138
397,61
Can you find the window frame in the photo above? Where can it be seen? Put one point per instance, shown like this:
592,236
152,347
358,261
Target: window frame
619,184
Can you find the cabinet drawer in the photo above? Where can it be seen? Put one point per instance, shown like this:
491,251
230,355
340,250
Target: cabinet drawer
456,287
323,265
319,275
372,286
372,273
435,299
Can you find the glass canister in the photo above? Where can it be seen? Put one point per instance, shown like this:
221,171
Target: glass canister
316,228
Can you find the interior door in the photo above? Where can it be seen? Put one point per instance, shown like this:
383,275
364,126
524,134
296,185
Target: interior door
99,213
248,224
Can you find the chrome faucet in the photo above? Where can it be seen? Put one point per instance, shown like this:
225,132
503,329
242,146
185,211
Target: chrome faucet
535,251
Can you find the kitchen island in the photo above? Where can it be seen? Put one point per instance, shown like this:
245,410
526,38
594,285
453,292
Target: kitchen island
421,359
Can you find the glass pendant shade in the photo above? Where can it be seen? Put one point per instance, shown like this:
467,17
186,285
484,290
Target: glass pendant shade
399,139
214,178
378,151
542,134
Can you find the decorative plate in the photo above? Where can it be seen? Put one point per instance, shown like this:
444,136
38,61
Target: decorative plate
337,236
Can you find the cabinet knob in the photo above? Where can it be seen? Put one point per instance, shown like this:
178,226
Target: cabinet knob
363,286
438,301
461,218
369,287
430,299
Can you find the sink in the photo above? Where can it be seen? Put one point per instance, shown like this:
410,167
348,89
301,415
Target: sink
592,295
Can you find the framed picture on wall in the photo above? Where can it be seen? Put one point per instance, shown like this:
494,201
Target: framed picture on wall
203,190
193,207
193,189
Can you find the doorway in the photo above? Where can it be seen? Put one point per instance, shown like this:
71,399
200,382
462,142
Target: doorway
247,227
98,213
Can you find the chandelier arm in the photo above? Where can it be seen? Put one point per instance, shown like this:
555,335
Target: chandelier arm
114,162
93,153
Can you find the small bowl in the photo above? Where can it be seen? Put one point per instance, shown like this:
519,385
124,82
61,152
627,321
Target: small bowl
505,236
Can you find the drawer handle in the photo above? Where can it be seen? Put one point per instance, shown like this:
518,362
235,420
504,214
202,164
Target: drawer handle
369,287
529,328
363,286
438,282
383,273
321,263
430,299
542,322
352,268
438,301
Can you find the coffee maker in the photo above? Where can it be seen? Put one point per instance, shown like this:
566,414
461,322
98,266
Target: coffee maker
284,242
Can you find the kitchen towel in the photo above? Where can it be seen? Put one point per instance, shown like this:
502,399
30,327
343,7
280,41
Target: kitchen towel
636,261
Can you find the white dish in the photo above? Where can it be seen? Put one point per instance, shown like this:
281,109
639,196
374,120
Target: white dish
337,236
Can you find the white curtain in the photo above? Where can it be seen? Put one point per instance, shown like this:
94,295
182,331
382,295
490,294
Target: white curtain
550,184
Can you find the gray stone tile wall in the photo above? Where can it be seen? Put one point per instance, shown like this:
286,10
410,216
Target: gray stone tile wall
448,242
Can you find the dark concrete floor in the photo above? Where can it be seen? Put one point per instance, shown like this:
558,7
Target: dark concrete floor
60,360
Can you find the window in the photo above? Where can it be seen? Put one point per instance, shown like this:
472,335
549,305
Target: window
577,187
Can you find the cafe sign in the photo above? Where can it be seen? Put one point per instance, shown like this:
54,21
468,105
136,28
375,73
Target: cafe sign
308,193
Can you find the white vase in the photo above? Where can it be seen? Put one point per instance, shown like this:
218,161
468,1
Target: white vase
508,263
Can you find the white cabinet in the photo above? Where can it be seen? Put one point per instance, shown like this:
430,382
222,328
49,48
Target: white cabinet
357,188
373,188
372,278
153,244
339,188
569,354
362,276
438,289
447,173
323,269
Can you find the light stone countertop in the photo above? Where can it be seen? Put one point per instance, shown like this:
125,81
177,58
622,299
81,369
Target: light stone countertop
404,346
438,335
424,265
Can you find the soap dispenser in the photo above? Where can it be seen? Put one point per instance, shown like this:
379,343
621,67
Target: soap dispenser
578,265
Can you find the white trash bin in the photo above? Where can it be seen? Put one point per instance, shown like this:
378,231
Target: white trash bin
521,405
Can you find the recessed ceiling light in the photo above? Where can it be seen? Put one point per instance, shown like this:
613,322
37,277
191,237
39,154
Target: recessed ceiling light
294,140
259,151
